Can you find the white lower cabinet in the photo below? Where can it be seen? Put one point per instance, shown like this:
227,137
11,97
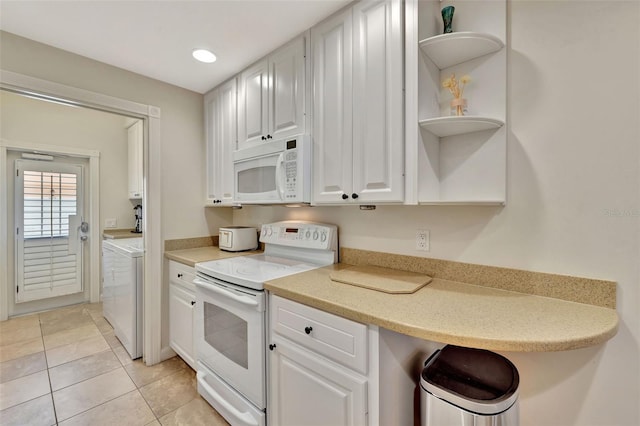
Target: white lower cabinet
320,372
182,300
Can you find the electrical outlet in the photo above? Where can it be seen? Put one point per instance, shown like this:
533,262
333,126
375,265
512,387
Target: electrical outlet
422,239
110,223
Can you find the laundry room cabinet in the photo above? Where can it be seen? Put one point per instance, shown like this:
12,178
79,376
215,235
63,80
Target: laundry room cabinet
221,140
358,105
135,138
320,364
271,96
182,301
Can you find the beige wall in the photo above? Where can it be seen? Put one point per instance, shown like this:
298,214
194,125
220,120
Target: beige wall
573,202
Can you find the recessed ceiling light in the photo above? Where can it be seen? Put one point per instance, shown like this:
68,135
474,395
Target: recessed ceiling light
203,55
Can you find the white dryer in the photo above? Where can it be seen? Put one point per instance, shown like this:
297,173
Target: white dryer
122,278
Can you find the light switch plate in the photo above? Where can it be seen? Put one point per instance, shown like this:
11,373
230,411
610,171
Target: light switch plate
110,223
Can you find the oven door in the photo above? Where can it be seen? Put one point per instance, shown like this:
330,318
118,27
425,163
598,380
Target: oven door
230,333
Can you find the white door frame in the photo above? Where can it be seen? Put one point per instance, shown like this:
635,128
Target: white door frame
44,89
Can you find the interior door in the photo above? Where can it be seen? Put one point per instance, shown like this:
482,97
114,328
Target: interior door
49,227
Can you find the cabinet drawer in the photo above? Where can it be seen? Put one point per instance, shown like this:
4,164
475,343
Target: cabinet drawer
182,274
334,337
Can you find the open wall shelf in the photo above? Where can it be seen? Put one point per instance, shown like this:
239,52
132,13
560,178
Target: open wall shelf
450,126
447,50
462,159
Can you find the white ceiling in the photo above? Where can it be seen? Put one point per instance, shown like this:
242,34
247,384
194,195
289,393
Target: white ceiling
155,38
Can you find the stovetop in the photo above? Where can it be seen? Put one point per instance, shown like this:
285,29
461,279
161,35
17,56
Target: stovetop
291,247
252,271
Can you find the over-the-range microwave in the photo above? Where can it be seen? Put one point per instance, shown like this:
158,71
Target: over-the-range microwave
275,172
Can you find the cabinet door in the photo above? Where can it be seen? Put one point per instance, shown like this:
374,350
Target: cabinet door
181,312
211,112
378,142
227,141
135,137
307,390
287,91
253,104
332,114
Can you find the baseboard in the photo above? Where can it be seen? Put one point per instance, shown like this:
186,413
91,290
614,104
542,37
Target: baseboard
166,353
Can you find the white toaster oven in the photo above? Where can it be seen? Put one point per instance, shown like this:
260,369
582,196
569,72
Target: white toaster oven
238,238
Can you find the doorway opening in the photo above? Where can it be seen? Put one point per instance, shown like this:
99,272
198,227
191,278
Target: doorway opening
152,229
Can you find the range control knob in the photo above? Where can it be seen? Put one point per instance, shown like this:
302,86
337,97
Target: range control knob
315,235
269,231
307,235
323,237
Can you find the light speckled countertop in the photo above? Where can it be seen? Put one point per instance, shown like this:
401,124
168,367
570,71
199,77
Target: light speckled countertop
119,233
458,313
202,254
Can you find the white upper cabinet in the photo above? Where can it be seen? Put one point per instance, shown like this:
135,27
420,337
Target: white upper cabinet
378,137
358,105
332,107
221,141
287,91
135,137
272,95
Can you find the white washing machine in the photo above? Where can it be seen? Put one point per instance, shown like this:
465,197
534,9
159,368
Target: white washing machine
122,275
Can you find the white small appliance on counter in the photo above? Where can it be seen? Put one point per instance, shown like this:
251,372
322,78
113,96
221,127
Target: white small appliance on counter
237,238
231,312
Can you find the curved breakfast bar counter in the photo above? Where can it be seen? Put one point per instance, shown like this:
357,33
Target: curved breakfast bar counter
459,313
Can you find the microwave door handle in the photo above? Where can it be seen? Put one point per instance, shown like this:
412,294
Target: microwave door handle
279,176
226,293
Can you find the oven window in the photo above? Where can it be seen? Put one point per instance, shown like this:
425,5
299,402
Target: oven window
257,180
226,333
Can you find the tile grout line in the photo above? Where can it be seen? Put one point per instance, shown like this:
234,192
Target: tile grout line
46,363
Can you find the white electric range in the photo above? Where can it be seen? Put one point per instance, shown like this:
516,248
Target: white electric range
231,315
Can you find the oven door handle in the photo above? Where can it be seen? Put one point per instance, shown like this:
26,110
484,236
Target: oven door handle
243,417
245,300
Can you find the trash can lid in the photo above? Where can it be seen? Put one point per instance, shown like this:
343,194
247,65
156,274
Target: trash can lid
473,379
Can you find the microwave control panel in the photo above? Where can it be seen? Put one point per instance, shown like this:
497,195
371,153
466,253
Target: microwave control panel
291,177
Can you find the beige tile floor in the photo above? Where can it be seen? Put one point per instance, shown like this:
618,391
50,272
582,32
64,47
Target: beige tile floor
66,367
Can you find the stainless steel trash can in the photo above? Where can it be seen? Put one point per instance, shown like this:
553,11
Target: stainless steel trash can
469,387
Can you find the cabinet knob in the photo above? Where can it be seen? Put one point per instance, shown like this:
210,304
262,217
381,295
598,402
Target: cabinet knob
179,275
269,137
272,346
263,138
193,302
308,330
345,196
354,195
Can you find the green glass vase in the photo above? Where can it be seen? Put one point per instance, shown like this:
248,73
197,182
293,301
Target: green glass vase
447,19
